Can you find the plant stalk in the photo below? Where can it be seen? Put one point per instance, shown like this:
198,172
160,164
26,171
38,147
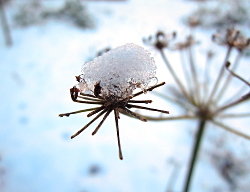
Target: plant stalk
195,152
5,26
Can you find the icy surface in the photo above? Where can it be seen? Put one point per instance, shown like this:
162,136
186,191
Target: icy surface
119,71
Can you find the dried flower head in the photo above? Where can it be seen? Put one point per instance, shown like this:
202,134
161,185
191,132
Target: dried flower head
188,42
160,40
202,98
109,81
228,38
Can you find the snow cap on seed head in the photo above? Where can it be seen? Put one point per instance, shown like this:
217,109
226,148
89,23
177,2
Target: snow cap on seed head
119,71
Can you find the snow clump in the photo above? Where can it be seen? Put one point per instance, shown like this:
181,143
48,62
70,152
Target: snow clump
119,72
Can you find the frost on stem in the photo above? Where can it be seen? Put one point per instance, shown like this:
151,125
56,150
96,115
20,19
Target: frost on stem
118,72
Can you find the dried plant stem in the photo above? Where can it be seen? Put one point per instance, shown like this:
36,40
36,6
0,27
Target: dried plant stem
217,82
146,108
197,144
97,110
194,74
100,124
75,112
232,130
133,114
149,89
176,78
117,132
181,104
89,102
232,104
87,98
140,101
206,79
234,115
93,96
185,70
229,77
86,126
237,76
236,94
181,117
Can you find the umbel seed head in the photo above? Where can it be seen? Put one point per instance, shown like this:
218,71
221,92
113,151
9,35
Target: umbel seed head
118,72
109,81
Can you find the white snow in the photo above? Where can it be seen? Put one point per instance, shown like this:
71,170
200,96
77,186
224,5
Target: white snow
119,71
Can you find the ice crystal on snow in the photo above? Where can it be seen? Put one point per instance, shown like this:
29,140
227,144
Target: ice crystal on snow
119,71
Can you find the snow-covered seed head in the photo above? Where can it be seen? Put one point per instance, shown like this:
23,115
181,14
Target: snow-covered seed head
119,72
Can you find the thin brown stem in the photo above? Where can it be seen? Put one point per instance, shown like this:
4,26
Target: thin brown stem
126,110
229,78
100,124
235,75
184,105
181,117
149,89
206,78
147,108
230,129
172,72
140,101
117,131
86,126
236,102
196,92
95,111
87,98
221,73
236,94
185,70
239,115
75,112
89,102
93,96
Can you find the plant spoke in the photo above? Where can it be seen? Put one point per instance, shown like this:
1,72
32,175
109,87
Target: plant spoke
82,129
89,102
100,124
232,130
147,108
221,73
194,74
232,104
117,131
234,115
90,99
75,112
136,115
140,101
176,78
95,111
229,77
235,75
149,89
181,117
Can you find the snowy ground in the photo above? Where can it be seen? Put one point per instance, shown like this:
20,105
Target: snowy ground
36,74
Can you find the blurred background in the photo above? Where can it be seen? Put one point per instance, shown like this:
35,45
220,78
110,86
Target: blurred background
44,44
